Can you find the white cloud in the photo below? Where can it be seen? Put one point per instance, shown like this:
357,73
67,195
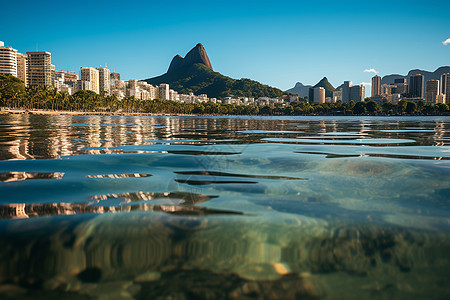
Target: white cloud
366,83
446,42
371,71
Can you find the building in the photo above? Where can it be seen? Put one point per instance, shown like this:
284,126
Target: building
114,76
90,75
357,93
400,86
104,81
83,86
337,96
376,86
416,85
164,91
22,67
346,91
8,60
67,77
445,85
317,95
39,68
431,91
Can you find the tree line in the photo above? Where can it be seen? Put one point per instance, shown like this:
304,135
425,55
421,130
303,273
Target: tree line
14,94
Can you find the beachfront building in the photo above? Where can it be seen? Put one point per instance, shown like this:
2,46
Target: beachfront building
104,81
90,75
164,91
39,68
376,86
8,60
431,91
22,67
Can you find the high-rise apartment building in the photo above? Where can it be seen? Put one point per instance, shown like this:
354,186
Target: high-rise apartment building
104,81
39,68
400,86
90,75
445,85
357,93
346,91
319,95
22,67
431,91
416,85
8,60
376,86
164,91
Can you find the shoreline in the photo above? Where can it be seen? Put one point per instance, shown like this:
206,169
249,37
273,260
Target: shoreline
5,111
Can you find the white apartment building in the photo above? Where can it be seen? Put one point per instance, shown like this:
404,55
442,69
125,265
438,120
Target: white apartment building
90,75
8,60
104,81
164,91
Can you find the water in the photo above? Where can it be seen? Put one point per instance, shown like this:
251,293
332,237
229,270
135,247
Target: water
229,207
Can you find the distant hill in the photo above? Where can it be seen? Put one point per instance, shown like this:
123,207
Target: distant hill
194,73
436,75
326,85
300,89
303,90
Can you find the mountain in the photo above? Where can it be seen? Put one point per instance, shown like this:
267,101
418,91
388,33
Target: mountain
197,55
300,89
194,73
326,85
436,75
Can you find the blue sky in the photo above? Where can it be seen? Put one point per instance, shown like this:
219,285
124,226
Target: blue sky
275,42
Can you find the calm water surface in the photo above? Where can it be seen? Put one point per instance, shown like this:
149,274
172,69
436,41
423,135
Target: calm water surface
217,208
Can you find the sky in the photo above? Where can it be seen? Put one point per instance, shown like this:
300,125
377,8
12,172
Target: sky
275,42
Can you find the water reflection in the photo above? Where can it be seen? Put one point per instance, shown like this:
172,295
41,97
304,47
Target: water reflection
20,176
24,137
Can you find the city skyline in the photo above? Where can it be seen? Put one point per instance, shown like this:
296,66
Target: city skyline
296,41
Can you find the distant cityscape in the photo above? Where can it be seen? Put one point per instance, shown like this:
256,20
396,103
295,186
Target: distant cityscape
35,69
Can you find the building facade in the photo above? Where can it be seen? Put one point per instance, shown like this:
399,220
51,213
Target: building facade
416,85
357,93
22,67
431,91
318,95
8,60
39,68
164,91
445,85
376,86
104,81
90,75
346,91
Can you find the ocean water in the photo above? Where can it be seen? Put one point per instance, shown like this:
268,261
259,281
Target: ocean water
115,207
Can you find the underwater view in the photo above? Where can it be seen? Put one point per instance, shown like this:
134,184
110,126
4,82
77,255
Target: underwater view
135,207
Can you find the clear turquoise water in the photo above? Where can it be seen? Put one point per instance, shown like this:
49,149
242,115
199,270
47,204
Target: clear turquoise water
228,207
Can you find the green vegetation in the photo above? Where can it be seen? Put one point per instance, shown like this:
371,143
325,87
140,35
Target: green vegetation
13,94
199,79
